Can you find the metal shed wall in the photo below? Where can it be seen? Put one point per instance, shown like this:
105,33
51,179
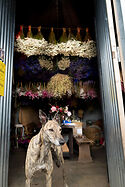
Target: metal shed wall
7,25
112,101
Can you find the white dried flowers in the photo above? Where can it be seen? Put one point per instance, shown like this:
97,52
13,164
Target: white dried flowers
31,46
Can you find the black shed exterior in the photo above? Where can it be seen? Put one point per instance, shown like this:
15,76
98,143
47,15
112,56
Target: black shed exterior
113,109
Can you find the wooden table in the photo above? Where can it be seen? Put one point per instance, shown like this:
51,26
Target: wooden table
84,149
68,129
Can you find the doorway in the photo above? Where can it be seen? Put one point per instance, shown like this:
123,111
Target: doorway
89,110
108,118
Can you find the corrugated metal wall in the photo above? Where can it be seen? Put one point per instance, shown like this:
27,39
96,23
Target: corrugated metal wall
119,14
111,93
7,25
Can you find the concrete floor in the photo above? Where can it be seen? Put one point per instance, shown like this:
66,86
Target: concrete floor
72,174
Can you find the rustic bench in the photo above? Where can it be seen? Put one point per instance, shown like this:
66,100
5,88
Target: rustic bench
84,149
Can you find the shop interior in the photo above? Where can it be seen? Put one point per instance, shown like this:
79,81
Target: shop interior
58,78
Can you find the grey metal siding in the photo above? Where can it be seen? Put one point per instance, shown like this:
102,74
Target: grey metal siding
7,25
119,12
109,89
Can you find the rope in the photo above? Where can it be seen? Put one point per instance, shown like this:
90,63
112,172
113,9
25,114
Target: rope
48,28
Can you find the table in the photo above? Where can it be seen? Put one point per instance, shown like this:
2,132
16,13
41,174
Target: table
68,129
84,149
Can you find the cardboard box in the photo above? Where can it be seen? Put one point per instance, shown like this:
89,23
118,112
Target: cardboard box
65,148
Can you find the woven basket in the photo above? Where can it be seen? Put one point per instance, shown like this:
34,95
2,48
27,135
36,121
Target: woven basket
93,132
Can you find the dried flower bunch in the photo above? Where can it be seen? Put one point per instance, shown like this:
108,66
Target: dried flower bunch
33,92
64,63
86,90
80,68
44,63
31,46
60,85
78,48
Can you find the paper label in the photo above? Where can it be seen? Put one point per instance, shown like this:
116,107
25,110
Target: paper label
2,77
79,131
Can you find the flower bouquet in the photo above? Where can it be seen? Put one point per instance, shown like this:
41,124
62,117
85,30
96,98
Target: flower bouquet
61,114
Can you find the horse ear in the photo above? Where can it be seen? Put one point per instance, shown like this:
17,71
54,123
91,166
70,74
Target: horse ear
43,117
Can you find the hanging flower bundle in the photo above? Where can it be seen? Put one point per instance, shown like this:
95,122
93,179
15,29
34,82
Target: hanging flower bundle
44,63
29,66
64,63
86,90
33,92
82,68
60,85
31,46
32,65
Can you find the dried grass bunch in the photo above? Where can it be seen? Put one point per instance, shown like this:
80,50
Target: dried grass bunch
44,63
60,85
64,63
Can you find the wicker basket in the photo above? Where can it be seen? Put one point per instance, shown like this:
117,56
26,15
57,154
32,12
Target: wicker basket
93,132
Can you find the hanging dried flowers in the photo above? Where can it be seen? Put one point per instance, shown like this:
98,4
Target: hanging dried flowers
86,90
30,46
83,68
64,63
60,85
33,92
44,63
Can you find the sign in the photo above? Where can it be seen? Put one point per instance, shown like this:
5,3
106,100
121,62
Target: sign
2,72
2,55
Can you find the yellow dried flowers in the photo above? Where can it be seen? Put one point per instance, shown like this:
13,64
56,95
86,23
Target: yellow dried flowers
60,85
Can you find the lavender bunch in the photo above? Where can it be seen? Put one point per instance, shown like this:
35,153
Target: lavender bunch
32,65
80,68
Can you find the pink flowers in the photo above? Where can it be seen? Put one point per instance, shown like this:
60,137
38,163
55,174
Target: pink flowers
63,111
53,109
32,95
45,94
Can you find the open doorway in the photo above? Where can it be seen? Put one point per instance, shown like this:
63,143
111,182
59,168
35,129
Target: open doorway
84,101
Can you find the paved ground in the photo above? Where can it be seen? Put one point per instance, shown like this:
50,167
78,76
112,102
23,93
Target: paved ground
72,174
